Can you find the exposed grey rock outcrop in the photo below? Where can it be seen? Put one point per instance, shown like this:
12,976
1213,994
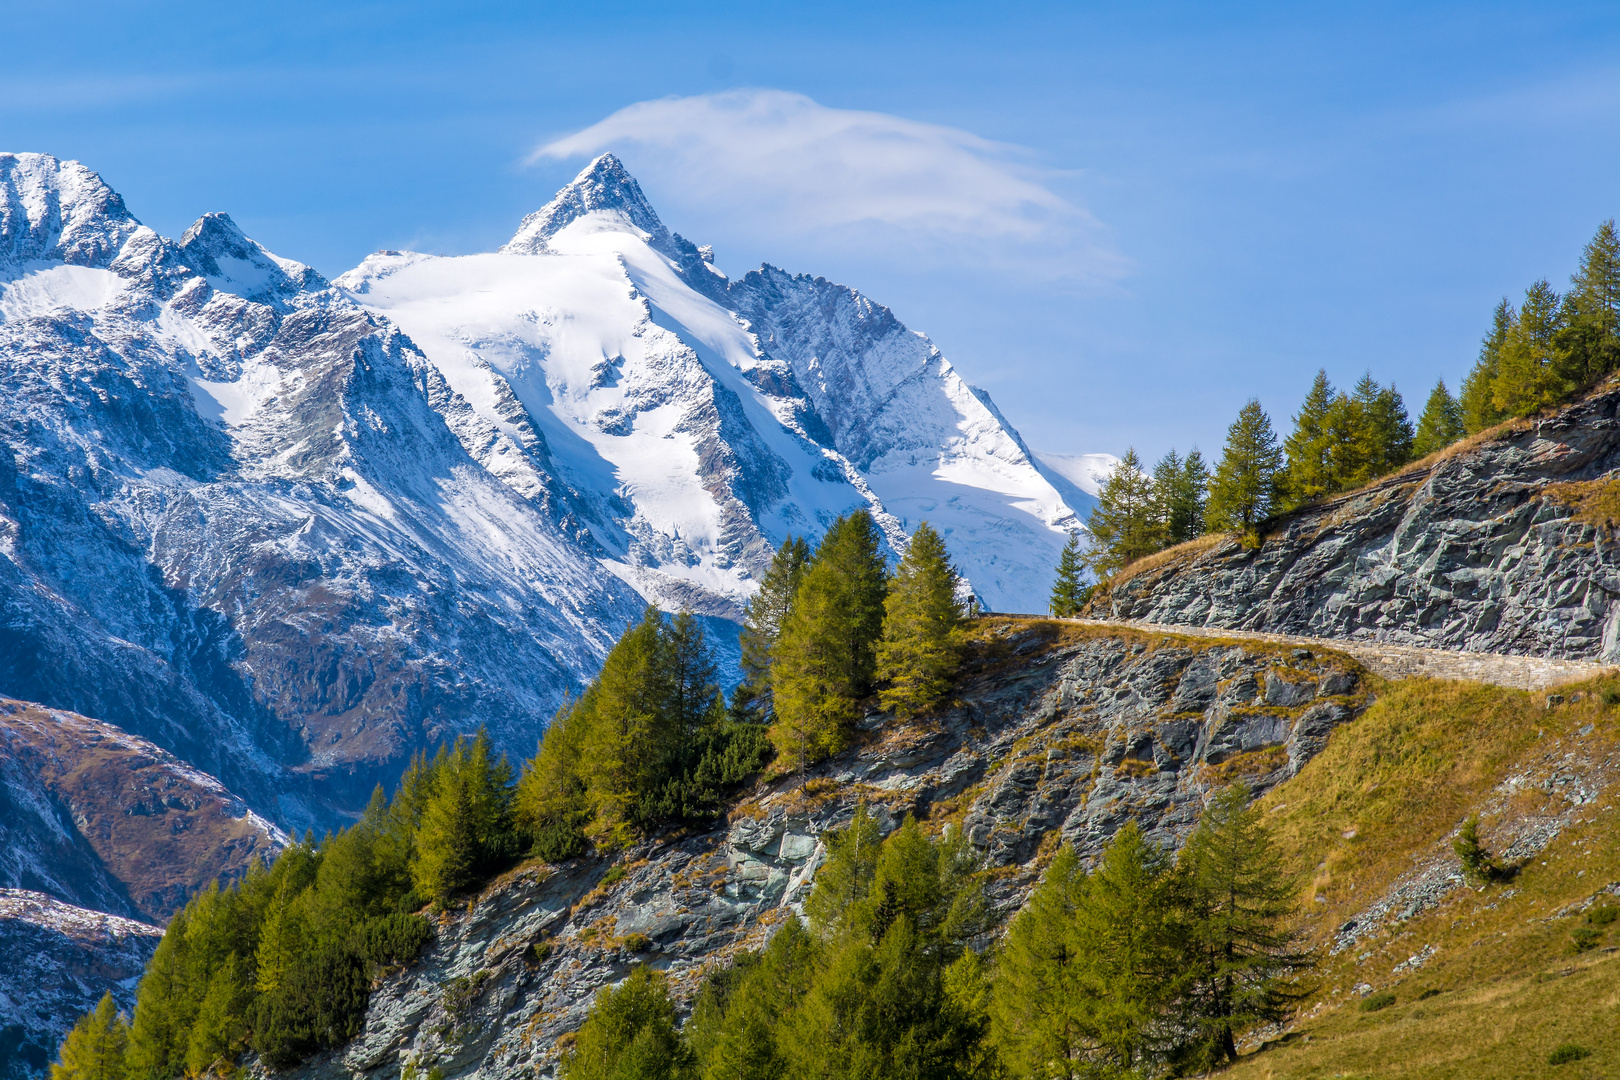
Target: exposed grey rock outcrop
1062,734
1467,554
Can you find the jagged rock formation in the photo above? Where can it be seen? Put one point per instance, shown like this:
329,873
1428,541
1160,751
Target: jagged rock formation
1061,734
59,961
105,820
1475,551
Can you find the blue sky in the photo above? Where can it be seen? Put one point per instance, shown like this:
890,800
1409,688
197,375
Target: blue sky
1121,219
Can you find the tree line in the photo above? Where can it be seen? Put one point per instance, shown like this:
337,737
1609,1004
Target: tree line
1548,350
1140,966
280,963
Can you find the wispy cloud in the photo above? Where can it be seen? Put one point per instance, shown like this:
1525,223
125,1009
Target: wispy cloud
786,164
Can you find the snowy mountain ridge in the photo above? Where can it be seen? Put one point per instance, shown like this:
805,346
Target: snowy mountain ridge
290,529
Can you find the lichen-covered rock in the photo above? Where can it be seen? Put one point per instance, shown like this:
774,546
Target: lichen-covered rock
1473,552
1061,734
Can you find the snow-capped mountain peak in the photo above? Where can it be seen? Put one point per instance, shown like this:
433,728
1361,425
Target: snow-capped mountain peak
215,247
603,194
61,211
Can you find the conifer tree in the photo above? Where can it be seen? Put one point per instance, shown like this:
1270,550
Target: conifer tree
1241,491
1441,423
1128,942
734,1030
762,625
1588,344
1039,1020
1187,509
219,1034
1068,593
279,938
1241,955
630,1034
1388,437
1528,378
921,646
97,1046
825,657
1477,399
1306,473
1124,524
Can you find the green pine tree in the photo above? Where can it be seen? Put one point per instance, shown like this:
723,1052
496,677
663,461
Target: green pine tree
1241,491
762,624
1441,423
922,636
1068,591
1389,433
1124,524
1477,399
97,1046
220,1032
1189,507
1242,956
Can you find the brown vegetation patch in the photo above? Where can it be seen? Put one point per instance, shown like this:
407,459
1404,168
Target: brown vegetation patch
1593,502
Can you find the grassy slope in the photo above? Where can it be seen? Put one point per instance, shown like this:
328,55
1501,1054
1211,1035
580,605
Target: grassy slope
1382,802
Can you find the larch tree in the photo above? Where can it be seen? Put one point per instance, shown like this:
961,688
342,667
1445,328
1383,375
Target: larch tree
762,625
921,646
1441,423
1039,1023
1477,398
630,1034
1528,378
1243,959
1305,474
97,1047
1241,491
826,655
1588,344
1124,524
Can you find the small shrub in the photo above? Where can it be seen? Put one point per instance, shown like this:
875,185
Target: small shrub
614,875
537,952
1381,1000
1611,697
637,943
1603,916
1583,938
1478,865
1427,994
1567,1053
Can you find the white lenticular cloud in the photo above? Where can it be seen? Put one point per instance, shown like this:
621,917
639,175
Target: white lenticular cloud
792,165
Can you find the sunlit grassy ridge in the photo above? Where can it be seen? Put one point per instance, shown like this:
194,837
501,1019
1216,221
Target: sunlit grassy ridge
1505,985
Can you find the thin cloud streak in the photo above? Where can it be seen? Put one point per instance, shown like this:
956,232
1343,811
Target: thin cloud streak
788,166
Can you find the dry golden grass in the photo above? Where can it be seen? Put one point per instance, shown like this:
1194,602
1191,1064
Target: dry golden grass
1382,799
1595,502
1184,550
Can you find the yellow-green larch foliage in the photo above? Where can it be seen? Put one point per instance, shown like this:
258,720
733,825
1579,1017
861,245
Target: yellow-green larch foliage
1124,524
922,628
629,1035
97,1046
826,656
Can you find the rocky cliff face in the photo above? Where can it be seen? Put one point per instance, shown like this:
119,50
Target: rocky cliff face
1480,551
1061,734
59,961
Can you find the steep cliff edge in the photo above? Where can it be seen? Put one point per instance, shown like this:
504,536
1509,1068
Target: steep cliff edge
1060,734
1484,549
